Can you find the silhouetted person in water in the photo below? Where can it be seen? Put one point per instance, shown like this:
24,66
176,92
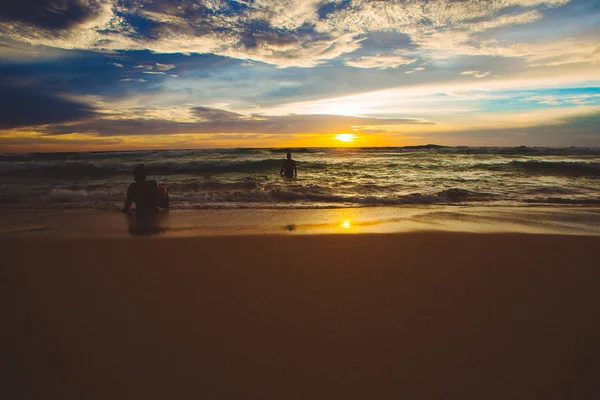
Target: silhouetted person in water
147,196
288,169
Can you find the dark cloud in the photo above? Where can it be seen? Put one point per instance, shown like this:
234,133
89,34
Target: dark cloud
21,107
215,114
574,131
151,20
49,14
221,121
260,34
55,140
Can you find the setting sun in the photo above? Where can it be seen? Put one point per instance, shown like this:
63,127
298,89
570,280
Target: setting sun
345,137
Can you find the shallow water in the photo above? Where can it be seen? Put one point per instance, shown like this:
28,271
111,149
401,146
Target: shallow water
60,224
327,178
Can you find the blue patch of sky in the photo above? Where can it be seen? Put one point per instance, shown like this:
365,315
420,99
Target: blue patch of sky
376,43
332,7
574,18
82,72
144,27
523,100
234,8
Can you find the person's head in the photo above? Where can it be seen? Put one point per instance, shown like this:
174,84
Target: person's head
289,156
139,173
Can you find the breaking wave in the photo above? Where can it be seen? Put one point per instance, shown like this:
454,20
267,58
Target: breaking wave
225,193
90,169
557,168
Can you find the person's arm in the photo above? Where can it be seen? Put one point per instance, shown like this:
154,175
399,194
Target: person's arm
129,199
127,205
282,168
295,170
154,194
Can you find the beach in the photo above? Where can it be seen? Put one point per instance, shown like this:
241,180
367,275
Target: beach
414,313
417,273
300,200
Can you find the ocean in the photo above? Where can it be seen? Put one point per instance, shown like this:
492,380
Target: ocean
327,177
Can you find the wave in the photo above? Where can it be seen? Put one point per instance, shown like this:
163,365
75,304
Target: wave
295,150
238,192
524,150
248,184
81,196
454,195
534,167
551,190
248,195
565,168
68,169
90,169
426,149
562,200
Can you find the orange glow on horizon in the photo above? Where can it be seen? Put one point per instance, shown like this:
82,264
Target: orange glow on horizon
84,142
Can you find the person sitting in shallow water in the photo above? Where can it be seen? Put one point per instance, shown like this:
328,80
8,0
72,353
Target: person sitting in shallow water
289,167
147,195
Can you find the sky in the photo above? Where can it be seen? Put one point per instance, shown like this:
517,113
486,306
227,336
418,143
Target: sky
83,75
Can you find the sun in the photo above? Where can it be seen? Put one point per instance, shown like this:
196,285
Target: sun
345,137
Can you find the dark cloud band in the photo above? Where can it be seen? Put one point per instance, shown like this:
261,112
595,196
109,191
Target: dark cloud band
23,107
212,121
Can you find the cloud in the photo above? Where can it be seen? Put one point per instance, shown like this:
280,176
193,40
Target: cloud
431,98
54,15
164,67
380,61
555,100
17,52
476,74
569,130
155,69
281,32
25,107
412,71
207,120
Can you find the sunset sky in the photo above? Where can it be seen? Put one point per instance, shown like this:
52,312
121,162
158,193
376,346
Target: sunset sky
104,75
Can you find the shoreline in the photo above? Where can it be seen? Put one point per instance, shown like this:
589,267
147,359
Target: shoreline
67,224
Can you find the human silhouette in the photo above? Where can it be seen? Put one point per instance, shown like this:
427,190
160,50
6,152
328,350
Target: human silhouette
288,169
147,195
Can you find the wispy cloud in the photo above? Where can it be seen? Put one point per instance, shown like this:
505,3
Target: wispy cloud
380,61
281,32
476,74
206,120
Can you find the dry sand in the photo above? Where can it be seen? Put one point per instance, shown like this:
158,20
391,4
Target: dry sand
395,316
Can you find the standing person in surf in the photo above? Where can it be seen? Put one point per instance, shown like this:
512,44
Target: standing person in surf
288,169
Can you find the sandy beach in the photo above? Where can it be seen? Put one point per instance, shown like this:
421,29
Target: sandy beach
417,315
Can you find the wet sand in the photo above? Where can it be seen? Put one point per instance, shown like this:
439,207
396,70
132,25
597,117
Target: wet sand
422,315
68,224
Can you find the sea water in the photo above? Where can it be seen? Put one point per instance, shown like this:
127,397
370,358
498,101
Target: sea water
327,178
